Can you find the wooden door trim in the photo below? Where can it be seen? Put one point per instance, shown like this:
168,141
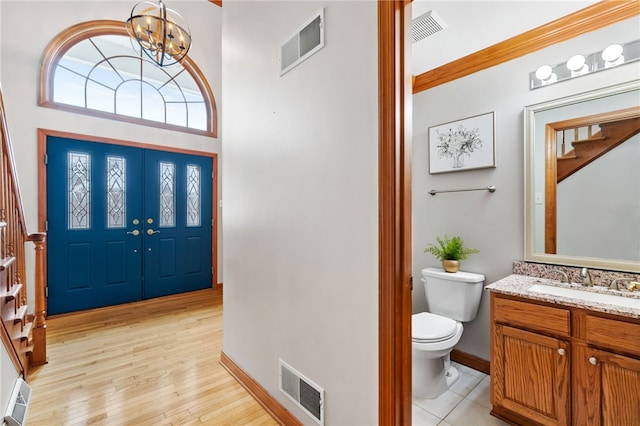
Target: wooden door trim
394,213
42,180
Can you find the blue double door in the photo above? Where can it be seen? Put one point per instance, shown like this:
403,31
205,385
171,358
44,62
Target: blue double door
125,224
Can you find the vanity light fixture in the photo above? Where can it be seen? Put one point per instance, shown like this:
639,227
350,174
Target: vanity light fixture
578,65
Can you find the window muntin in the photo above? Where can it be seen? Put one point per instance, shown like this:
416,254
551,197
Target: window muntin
93,68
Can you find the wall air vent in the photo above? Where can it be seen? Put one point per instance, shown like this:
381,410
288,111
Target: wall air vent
304,43
306,394
425,25
16,412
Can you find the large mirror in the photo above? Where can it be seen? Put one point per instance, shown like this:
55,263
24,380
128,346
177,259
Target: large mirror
582,179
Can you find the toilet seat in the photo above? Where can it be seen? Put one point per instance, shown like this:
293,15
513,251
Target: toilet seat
432,328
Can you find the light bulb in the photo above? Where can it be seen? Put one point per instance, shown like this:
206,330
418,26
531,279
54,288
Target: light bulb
543,72
575,62
611,53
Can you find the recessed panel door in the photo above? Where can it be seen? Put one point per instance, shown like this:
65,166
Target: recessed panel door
94,236
125,224
177,224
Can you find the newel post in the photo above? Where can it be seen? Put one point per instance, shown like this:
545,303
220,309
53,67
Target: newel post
39,332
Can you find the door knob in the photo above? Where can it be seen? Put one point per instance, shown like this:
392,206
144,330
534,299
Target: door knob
151,232
593,360
562,351
135,232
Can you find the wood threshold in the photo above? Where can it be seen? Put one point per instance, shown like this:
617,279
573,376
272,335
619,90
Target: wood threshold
470,361
269,403
589,19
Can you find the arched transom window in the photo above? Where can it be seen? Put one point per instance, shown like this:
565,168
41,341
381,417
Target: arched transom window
93,68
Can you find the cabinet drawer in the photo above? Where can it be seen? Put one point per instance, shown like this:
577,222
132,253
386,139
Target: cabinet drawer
532,316
613,333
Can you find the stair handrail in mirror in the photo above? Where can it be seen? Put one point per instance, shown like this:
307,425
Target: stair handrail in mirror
24,340
559,219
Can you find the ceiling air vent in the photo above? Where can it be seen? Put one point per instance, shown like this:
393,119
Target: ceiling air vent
306,394
304,43
425,25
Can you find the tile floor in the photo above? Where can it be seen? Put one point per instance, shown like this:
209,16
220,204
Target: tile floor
465,404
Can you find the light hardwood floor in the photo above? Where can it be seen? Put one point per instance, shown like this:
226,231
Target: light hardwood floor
154,362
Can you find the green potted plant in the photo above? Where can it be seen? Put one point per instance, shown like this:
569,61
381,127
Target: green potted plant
450,251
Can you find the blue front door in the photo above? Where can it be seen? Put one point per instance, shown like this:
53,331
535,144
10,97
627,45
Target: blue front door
124,224
177,225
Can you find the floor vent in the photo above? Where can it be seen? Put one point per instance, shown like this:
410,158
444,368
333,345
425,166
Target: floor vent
16,413
425,25
306,394
304,43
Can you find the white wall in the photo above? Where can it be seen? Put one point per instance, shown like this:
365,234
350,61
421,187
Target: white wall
300,204
8,373
493,223
608,188
20,79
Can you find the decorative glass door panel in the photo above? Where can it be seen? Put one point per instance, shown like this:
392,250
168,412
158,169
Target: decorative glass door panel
121,221
178,223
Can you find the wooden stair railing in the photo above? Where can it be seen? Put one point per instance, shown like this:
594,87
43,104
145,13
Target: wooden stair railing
594,145
23,335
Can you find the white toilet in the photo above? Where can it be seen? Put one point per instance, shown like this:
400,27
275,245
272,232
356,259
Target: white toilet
451,299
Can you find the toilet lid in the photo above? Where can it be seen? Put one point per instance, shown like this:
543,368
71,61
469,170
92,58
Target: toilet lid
427,327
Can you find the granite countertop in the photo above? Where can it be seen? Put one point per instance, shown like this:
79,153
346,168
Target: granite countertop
517,285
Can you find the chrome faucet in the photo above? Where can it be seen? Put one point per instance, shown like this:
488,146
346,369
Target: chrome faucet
584,273
614,284
565,277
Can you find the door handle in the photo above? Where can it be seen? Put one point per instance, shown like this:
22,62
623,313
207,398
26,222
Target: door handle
151,232
135,233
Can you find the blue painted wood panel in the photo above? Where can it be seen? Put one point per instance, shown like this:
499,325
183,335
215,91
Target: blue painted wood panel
102,265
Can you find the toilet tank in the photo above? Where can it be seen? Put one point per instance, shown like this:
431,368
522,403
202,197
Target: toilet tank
454,295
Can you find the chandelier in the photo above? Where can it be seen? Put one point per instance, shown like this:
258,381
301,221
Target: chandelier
162,33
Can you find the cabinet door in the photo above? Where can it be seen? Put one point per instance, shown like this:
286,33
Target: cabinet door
610,385
531,375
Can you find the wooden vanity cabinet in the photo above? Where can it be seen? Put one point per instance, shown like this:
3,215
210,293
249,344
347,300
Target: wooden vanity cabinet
555,365
606,383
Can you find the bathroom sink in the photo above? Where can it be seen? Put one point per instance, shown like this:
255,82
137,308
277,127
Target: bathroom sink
589,296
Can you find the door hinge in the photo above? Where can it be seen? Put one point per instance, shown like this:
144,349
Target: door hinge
46,225
46,159
411,283
46,292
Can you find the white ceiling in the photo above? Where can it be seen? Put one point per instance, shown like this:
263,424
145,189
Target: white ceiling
476,24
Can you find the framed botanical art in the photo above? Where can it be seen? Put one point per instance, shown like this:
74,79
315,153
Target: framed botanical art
464,144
